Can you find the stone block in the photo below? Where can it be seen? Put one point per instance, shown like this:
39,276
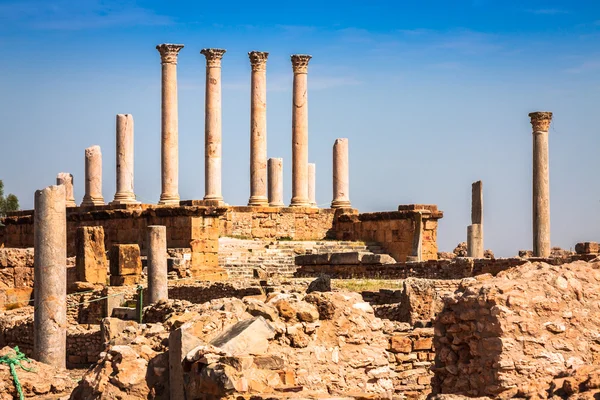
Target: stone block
181,341
400,344
125,260
313,259
423,344
124,280
354,257
17,297
378,259
23,276
587,248
246,337
204,246
7,278
90,255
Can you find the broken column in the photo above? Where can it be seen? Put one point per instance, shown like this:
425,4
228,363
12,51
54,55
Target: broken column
341,172
169,125
50,276
124,194
125,264
312,181
540,122
212,125
276,182
300,131
66,179
475,230
90,260
157,264
258,129
93,177
417,244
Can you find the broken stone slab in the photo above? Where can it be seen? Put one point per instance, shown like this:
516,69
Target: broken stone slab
354,257
258,308
321,284
313,259
181,341
246,337
378,259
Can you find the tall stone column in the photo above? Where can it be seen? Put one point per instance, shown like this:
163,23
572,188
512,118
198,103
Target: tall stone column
341,173
540,122
93,177
312,182
276,182
124,194
475,230
169,153
66,179
300,131
258,129
212,125
158,288
50,276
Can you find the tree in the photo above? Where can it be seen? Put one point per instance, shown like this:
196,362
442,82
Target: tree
8,203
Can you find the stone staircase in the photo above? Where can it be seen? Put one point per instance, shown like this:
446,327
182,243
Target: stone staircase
240,257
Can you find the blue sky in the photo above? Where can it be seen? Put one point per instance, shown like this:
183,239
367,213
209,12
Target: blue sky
432,95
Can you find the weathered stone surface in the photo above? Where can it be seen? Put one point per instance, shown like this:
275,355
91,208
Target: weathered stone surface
125,260
587,248
321,284
259,309
378,259
246,337
347,258
91,262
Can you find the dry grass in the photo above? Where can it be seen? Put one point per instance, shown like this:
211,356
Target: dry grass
359,285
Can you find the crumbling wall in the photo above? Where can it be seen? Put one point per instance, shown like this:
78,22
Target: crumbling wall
509,336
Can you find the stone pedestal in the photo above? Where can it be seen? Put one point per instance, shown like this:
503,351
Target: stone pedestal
158,288
341,172
212,124
300,131
312,184
475,241
50,277
276,182
93,177
91,263
125,264
124,194
540,122
258,129
66,179
169,125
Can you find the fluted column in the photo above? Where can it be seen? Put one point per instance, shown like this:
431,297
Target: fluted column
275,182
66,179
540,122
93,177
258,129
50,276
300,131
169,125
124,194
212,125
312,182
341,172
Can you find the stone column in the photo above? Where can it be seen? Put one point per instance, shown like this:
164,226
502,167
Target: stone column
66,179
169,125
540,122
312,181
93,177
157,264
258,129
300,132
212,125
276,182
341,172
417,244
124,194
475,241
50,276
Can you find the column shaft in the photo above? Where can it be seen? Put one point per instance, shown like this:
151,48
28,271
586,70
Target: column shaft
212,125
158,288
312,181
475,241
124,193
300,132
66,179
50,276
477,202
417,245
276,182
258,129
169,153
341,172
93,177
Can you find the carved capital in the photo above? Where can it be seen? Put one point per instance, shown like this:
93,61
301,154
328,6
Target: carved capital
258,60
540,120
168,52
300,63
213,57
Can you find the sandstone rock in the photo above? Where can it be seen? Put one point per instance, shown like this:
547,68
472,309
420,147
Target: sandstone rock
114,328
246,337
258,308
321,284
378,259
125,259
461,249
306,312
91,263
285,310
350,258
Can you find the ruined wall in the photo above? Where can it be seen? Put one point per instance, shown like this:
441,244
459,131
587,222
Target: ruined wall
297,223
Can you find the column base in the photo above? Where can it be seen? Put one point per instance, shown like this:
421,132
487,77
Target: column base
276,204
169,200
70,203
341,204
260,201
313,205
124,198
299,202
89,201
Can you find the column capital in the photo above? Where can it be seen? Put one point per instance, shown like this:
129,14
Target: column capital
213,57
300,63
168,52
258,60
540,120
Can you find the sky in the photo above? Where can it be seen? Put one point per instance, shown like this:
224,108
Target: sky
432,95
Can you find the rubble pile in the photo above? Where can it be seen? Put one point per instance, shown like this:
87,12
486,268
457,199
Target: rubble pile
512,335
